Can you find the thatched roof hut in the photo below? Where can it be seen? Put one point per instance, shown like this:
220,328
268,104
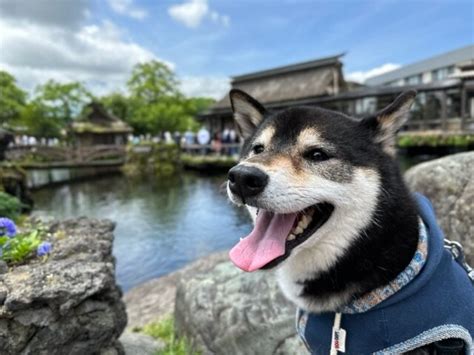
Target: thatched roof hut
97,126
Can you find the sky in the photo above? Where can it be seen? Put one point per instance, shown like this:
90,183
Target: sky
206,42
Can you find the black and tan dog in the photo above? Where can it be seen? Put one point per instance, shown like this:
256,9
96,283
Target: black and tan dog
332,213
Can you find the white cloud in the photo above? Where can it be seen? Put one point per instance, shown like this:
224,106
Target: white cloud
98,55
210,86
193,12
362,76
126,8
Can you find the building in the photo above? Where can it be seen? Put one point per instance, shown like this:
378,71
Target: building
445,86
431,70
283,86
98,127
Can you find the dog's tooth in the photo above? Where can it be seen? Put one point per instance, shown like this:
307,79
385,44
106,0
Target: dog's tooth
291,237
298,230
304,222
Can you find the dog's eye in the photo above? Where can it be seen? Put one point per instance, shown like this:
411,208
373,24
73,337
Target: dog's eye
316,155
258,149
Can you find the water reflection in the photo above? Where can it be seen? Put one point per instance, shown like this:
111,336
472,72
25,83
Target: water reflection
162,224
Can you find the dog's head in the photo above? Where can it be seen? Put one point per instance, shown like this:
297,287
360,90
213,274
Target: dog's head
311,177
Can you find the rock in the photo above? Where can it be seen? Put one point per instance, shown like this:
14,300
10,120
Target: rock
154,300
140,344
449,184
3,267
69,304
227,311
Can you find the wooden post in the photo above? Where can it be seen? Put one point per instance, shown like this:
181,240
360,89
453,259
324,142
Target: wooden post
444,111
463,107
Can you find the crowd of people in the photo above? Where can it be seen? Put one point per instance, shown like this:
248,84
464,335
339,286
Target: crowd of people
201,142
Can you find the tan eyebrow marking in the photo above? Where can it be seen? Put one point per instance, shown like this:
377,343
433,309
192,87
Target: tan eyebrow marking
308,137
311,137
265,137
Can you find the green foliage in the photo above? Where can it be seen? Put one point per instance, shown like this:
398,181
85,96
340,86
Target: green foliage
208,162
10,206
164,330
12,98
152,81
156,104
63,101
416,140
161,159
117,104
39,121
20,247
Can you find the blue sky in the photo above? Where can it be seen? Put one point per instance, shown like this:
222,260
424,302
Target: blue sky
206,41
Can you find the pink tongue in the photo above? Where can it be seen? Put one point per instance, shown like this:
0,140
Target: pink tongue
265,243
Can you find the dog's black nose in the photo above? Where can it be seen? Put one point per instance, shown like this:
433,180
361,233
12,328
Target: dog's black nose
247,181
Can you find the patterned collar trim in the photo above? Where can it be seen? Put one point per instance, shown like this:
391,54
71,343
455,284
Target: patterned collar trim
370,300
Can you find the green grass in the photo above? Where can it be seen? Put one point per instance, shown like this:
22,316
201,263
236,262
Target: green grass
164,330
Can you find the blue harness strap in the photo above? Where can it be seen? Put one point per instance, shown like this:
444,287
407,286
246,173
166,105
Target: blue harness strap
437,304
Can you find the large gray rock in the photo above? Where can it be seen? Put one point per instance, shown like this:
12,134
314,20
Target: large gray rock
227,311
154,300
449,184
69,304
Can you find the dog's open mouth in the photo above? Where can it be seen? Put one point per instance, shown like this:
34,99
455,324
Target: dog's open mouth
274,236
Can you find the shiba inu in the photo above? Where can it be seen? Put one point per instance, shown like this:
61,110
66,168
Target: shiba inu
335,220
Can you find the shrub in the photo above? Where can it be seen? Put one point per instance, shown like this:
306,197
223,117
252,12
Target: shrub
10,206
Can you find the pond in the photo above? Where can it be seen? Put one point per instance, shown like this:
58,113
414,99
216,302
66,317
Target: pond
162,224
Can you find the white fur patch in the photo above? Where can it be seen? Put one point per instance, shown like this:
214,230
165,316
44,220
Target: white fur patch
355,204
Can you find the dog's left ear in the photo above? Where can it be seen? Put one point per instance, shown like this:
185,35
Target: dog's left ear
387,122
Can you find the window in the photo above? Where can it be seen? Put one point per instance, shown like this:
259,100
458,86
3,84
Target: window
442,73
366,105
413,80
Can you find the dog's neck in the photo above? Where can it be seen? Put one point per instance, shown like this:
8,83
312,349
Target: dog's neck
382,250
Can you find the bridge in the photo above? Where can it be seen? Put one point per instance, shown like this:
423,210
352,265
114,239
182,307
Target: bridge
49,157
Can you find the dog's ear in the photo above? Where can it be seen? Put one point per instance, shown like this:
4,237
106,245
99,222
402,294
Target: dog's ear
248,112
386,123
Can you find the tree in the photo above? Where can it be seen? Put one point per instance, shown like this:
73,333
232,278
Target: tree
151,81
39,123
155,102
12,98
63,101
117,104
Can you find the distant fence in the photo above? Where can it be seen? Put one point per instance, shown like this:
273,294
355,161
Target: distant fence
208,149
38,155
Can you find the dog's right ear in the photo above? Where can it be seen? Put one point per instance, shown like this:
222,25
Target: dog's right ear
248,112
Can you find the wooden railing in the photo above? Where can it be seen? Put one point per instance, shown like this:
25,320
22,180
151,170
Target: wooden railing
65,155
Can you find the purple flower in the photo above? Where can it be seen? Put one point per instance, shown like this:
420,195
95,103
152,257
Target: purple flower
44,248
7,226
